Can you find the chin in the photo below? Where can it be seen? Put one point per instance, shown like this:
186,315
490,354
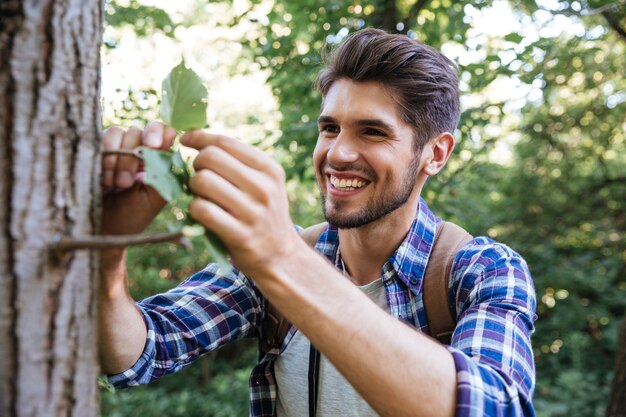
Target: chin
344,220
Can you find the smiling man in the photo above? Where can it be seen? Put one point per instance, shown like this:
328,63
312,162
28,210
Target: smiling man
389,108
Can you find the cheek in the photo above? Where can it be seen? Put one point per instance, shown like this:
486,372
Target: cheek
389,169
319,155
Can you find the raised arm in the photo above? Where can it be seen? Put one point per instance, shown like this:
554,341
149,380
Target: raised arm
128,207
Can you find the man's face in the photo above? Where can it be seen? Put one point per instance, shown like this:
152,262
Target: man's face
365,161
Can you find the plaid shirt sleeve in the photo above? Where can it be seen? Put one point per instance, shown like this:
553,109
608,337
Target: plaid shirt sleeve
495,302
204,312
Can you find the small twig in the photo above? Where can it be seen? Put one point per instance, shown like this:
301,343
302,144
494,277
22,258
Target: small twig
137,153
65,243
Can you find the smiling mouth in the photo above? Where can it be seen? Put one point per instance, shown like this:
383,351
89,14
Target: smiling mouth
343,184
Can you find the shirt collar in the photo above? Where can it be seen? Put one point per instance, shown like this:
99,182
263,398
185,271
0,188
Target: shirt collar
409,260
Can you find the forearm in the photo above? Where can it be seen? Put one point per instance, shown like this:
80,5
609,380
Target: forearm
396,369
122,331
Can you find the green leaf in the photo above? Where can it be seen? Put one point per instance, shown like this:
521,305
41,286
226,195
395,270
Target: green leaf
183,99
103,382
178,163
218,251
513,37
158,167
168,173
180,169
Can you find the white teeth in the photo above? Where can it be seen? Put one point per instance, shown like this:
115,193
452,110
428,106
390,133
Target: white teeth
346,184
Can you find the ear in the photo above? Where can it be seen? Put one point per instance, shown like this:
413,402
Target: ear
440,150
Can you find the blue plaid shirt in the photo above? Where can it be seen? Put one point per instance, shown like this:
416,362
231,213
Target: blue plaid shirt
490,289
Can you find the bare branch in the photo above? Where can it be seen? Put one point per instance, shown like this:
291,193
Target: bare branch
65,243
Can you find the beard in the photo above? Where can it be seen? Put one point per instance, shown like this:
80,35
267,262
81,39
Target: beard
378,206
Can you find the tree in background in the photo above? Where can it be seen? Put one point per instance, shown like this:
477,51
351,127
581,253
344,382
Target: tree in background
49,186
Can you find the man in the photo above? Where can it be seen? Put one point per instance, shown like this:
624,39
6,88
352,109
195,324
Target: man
389,108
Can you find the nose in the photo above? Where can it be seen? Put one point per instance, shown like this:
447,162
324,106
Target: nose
343,150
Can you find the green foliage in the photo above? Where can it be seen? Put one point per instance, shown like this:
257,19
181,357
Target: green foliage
159,166
183,106
168,173
184,99
215,386
145,20
133,106
584,395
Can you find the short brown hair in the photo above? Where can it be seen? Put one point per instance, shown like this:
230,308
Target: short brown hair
421,80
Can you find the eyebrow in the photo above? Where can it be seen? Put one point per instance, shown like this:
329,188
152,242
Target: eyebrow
326,119
364,122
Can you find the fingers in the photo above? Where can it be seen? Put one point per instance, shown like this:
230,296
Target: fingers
241,197
228,167
158,136
214,218
127,165
152,135
239,178
243,152
111,140
168,136
211,186
120,170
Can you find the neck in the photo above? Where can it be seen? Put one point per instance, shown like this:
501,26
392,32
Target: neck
364,250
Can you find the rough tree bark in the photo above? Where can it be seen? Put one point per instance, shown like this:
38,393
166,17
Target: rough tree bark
617,401
49,170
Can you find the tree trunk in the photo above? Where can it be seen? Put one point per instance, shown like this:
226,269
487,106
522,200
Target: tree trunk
49,186
617,401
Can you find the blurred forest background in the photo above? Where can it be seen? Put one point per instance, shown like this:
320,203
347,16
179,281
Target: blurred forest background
540,164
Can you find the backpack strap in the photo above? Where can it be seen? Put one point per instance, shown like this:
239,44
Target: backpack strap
275,326
449,238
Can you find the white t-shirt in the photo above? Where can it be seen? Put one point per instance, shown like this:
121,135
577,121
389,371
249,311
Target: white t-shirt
336,396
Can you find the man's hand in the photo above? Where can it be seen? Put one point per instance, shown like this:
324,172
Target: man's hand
241,196
129,205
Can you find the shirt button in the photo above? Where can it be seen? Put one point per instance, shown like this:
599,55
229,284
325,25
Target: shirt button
413,280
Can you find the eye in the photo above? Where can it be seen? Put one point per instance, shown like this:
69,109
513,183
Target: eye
373,132
328,128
